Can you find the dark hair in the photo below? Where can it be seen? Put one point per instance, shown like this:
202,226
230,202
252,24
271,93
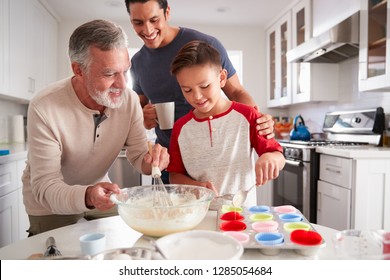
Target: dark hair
162,3
195,53
102,34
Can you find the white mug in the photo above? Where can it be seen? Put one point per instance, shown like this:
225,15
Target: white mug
165,114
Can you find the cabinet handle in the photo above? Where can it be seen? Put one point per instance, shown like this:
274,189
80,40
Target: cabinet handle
333,170
318,202
31,85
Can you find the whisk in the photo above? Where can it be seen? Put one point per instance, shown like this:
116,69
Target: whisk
51,250
160,194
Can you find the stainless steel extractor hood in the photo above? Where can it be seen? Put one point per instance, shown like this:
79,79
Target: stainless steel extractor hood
335,45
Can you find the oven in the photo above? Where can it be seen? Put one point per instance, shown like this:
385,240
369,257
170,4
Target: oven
297,182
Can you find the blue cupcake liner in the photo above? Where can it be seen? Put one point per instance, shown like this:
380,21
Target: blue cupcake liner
269,238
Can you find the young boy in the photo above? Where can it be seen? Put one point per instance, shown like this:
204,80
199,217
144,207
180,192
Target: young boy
212,146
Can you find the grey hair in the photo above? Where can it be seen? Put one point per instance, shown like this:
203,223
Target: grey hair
102,34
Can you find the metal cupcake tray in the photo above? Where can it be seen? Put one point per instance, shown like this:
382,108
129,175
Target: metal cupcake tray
270,229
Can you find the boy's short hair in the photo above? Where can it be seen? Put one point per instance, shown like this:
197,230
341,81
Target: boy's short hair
195,53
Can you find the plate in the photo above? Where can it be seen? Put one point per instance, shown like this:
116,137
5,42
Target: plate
200,245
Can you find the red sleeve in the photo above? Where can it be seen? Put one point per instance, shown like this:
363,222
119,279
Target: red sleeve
175,160
259,142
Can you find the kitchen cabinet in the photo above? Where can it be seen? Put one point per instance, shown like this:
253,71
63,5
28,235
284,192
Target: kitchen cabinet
374,65
279,71
310,82
4,46
354,193
314,82
294,83
13,217
32,52
301,22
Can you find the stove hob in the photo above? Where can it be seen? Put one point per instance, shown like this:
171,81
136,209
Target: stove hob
316,143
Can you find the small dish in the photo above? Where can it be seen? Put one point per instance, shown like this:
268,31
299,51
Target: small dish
200,245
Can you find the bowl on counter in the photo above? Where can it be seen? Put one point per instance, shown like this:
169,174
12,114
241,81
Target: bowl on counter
190,206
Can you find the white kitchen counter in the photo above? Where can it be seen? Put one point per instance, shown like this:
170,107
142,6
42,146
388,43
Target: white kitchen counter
356,152
119,235
17,151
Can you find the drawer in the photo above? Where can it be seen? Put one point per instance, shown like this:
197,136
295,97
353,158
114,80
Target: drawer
336,170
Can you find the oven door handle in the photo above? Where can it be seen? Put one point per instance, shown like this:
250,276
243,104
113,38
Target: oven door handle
294,163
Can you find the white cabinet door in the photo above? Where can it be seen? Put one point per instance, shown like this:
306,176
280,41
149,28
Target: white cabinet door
32,49
4,46
8,219
333,206
372,195
35,36
301,22
374,54
18,63
315,82
278,39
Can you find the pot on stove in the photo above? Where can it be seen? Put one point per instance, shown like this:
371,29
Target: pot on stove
300,131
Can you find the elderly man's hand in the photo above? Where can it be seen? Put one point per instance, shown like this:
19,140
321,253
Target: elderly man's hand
98,196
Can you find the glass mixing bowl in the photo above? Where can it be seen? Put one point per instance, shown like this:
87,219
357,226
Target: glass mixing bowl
190,206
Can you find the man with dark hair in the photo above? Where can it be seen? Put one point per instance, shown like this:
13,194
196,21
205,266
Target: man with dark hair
150,69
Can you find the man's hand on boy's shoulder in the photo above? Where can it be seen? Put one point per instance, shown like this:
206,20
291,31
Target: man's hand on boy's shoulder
265,125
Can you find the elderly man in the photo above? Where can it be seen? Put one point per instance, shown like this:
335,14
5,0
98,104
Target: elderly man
78,126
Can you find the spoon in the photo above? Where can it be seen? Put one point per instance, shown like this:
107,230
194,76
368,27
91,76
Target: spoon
227,196
240,196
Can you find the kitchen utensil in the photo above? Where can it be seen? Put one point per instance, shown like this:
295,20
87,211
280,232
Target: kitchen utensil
160,196
51,250
190,206
228,196
240,197
300,131
133,253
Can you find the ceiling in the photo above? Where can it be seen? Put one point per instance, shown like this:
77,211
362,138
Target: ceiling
215,12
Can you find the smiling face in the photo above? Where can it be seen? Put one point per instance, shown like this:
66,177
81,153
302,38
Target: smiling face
150,23
201,86
105,78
